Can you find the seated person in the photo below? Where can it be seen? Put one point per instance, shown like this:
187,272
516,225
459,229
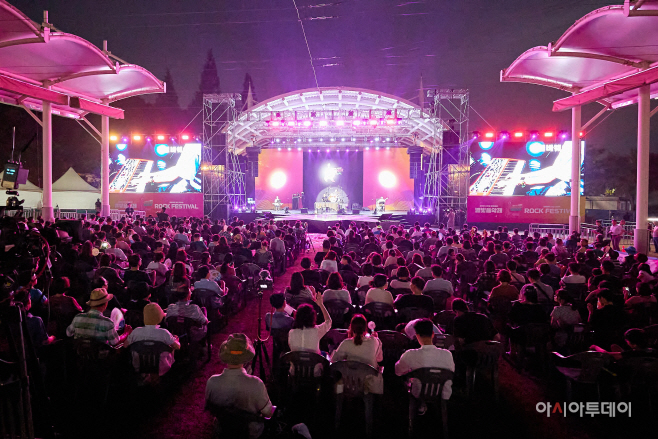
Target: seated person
637,341
574,276
35,327
544,292
158,265
367,277
416,299
470,327
310,276
319,256
607,318
527,310
263,257
134,274
438,283
305,335
185,308
364,347
151,331
206,287
329,263
93,324
402,282
62,307
504,290
197,244
410,331
235,388
298,290
378,292
336,289
644,295
565,314
279,319
139,293
427,355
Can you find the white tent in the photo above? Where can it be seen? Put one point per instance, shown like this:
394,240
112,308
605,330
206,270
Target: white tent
28,192
72,192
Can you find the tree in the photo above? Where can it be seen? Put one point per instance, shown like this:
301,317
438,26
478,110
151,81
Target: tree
167,113
168,100
248,92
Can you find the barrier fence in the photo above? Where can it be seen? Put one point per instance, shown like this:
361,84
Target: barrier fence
115,214
587,231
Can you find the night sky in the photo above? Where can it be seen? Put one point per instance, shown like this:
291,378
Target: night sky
383,45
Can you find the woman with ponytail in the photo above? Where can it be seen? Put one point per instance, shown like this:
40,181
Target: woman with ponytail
362,345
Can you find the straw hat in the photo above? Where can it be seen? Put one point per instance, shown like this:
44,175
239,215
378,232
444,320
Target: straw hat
236,350
98,297
153,314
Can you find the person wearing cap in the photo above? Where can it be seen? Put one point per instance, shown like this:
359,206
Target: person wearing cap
93,324
235,388
151,331
184,308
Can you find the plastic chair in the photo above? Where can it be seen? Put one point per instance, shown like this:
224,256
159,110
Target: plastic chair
432,382
444,341
134,318
352,376
304,372
444,319
340,312
279,346
486,358
182,326
149,355
232,422
582,368
381,313
332,339
410,313
439,297
394,344
639,375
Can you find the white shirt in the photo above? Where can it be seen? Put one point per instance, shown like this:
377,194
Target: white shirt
574,279
235,388
153,333
616,230
398,284
308,339
426,356
343,295
208,284
120,255
566,315
379,295
369,351
439,285
363,281
329,265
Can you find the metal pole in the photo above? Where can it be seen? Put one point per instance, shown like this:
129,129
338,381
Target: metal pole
574,218
641,241
105,165
47,195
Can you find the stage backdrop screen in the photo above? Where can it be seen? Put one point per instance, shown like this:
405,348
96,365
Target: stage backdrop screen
533,168
158,168
279,175
336,175
386,174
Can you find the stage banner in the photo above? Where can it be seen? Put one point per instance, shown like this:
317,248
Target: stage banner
521,209
177,204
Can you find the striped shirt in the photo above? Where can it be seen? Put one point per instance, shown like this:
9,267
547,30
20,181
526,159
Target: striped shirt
94,325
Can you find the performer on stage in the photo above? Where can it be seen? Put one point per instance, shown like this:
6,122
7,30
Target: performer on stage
277,203
302,200
380,205
129,211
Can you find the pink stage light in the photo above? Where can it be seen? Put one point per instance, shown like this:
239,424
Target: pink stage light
291,123
356,122
548,134
137,137
391,121
518,134
185,137
489,135
373,122
275,123
307,123
323,123
340,123
160,137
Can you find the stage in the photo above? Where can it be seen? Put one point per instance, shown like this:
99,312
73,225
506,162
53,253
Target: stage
319,223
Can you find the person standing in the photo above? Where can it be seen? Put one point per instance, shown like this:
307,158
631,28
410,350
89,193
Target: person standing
616,232
655,236
451,219
130,211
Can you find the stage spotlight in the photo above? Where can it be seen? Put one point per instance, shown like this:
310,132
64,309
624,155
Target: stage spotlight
376,139
278,140
161,137
353,139
535,148
320,139
148,139
122,146
486,145
388,139
563,135
328,150
373,122
489,135
342,139
367,148
356,122
534,134
549,134
518,134
347,150
113,138
377,148
124,139
137,137
323,123
307,123
289,149
387,148
299,149
485,158
274,123
161,149
279,148
310,139
333,139
340,123
391,121
504,135
476,134
291,123
185,137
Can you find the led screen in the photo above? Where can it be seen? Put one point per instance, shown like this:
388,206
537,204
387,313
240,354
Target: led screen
157,168
386,174
533,168
279,175
333,177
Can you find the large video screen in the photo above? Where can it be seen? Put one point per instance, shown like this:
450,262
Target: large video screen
534,168
386,174
279,176
159,168
333,177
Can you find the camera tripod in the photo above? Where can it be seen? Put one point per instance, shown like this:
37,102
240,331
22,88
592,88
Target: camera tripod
259,344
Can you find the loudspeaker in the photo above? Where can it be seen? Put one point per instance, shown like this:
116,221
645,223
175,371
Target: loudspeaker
304,210
415,161
355,211
385,217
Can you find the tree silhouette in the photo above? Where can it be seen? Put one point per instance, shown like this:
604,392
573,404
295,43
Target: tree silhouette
247,86
209,82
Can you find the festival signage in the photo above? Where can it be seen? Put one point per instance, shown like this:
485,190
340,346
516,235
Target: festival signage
521,209
186,204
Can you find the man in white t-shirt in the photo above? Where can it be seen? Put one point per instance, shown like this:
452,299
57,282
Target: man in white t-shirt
616,232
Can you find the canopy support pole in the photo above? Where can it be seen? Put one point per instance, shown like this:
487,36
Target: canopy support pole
574,218
105,166
641,241
47,194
